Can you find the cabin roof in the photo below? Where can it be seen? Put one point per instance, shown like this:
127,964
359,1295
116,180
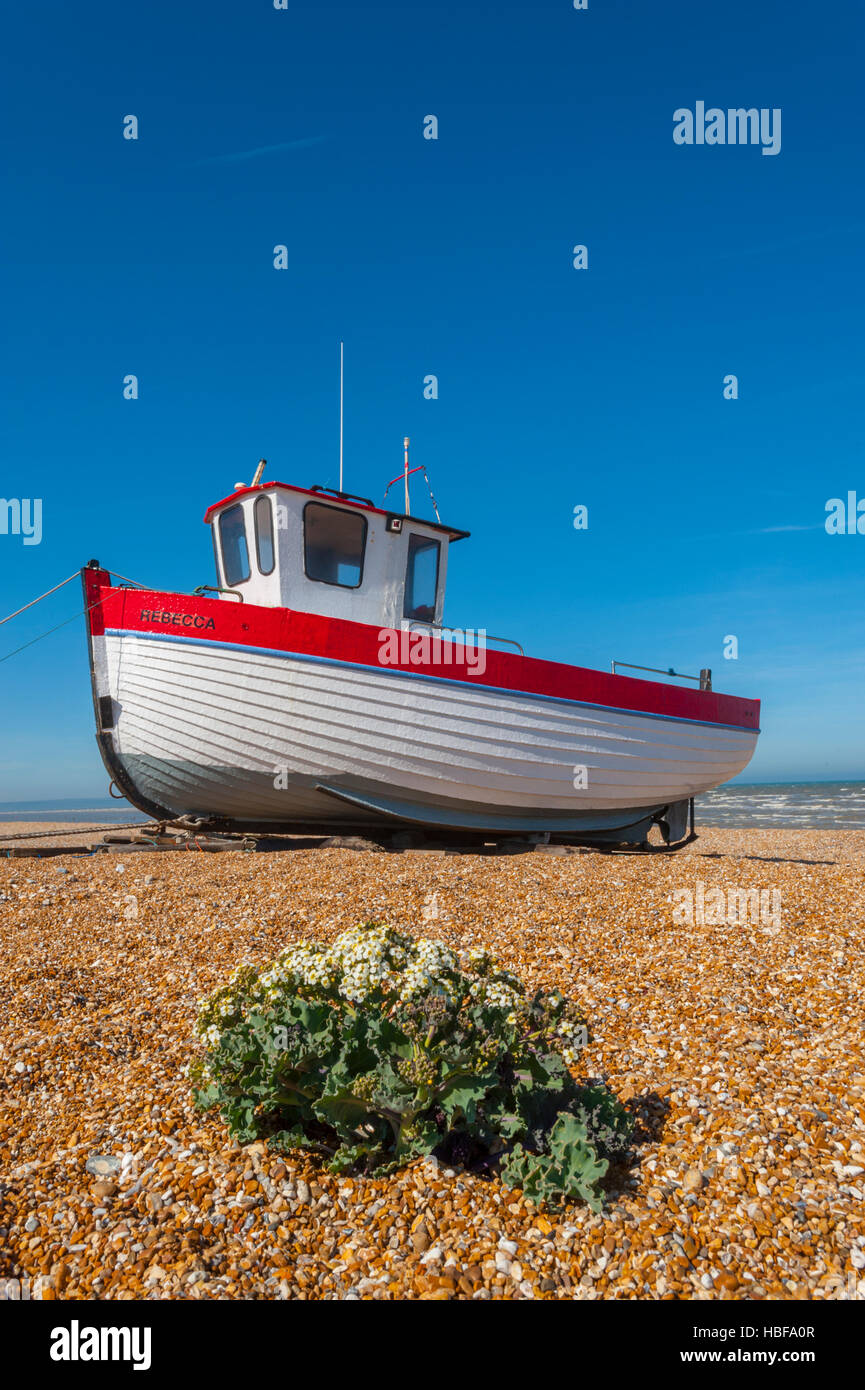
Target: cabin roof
345,499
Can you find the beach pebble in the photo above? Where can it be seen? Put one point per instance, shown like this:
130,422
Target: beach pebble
103,1165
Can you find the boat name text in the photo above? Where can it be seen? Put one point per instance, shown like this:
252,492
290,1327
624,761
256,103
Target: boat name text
150,615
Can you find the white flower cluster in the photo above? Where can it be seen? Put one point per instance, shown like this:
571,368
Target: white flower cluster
571,1038
221,1007
478,960
494,994
504,977
364,961
375,962
368,960
301,964
430,969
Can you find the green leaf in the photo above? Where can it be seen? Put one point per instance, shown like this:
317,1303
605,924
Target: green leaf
571,1168
460,1097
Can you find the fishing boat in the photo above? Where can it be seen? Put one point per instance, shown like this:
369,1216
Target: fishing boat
315,689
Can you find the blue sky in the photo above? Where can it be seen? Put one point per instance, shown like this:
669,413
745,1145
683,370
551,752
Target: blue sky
557,386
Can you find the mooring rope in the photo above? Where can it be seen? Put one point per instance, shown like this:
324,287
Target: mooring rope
83,829
34,601
66,621
134,582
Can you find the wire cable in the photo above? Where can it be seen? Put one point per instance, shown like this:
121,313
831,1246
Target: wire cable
34,601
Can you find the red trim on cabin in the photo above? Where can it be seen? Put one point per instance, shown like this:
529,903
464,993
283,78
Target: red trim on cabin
330,498
309,634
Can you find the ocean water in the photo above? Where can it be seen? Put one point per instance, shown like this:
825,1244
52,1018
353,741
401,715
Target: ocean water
768,806
826,805
118,813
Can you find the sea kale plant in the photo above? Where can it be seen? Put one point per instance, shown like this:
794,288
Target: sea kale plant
382,1047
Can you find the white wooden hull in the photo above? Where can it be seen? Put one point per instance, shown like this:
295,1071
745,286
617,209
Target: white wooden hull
265,739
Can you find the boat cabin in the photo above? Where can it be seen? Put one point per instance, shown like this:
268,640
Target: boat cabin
320,551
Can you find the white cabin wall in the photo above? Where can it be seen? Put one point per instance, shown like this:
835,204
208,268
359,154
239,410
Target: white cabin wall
259,588
378,600
443,582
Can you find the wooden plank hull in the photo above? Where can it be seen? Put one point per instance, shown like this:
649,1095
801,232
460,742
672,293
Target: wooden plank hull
257,738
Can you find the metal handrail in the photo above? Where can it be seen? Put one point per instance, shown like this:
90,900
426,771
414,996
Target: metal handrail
346,496
510,641
448,627
215,589
704,678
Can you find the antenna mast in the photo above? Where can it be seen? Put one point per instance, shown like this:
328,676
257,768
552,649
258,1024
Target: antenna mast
405,475
340,412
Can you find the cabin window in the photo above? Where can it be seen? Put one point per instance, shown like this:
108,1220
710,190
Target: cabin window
235,551
333,545
263,516
421,578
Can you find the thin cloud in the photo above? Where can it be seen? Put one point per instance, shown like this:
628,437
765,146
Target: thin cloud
239,155
770,530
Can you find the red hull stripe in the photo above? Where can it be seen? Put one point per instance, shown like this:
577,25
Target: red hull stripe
282,630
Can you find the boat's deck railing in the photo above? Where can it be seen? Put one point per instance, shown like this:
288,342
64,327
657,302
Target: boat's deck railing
476,631
704,679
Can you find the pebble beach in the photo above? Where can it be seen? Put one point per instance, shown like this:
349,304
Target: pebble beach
736,1046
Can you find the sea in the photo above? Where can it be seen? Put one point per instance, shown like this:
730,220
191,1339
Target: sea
761,805
773,805
78,810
